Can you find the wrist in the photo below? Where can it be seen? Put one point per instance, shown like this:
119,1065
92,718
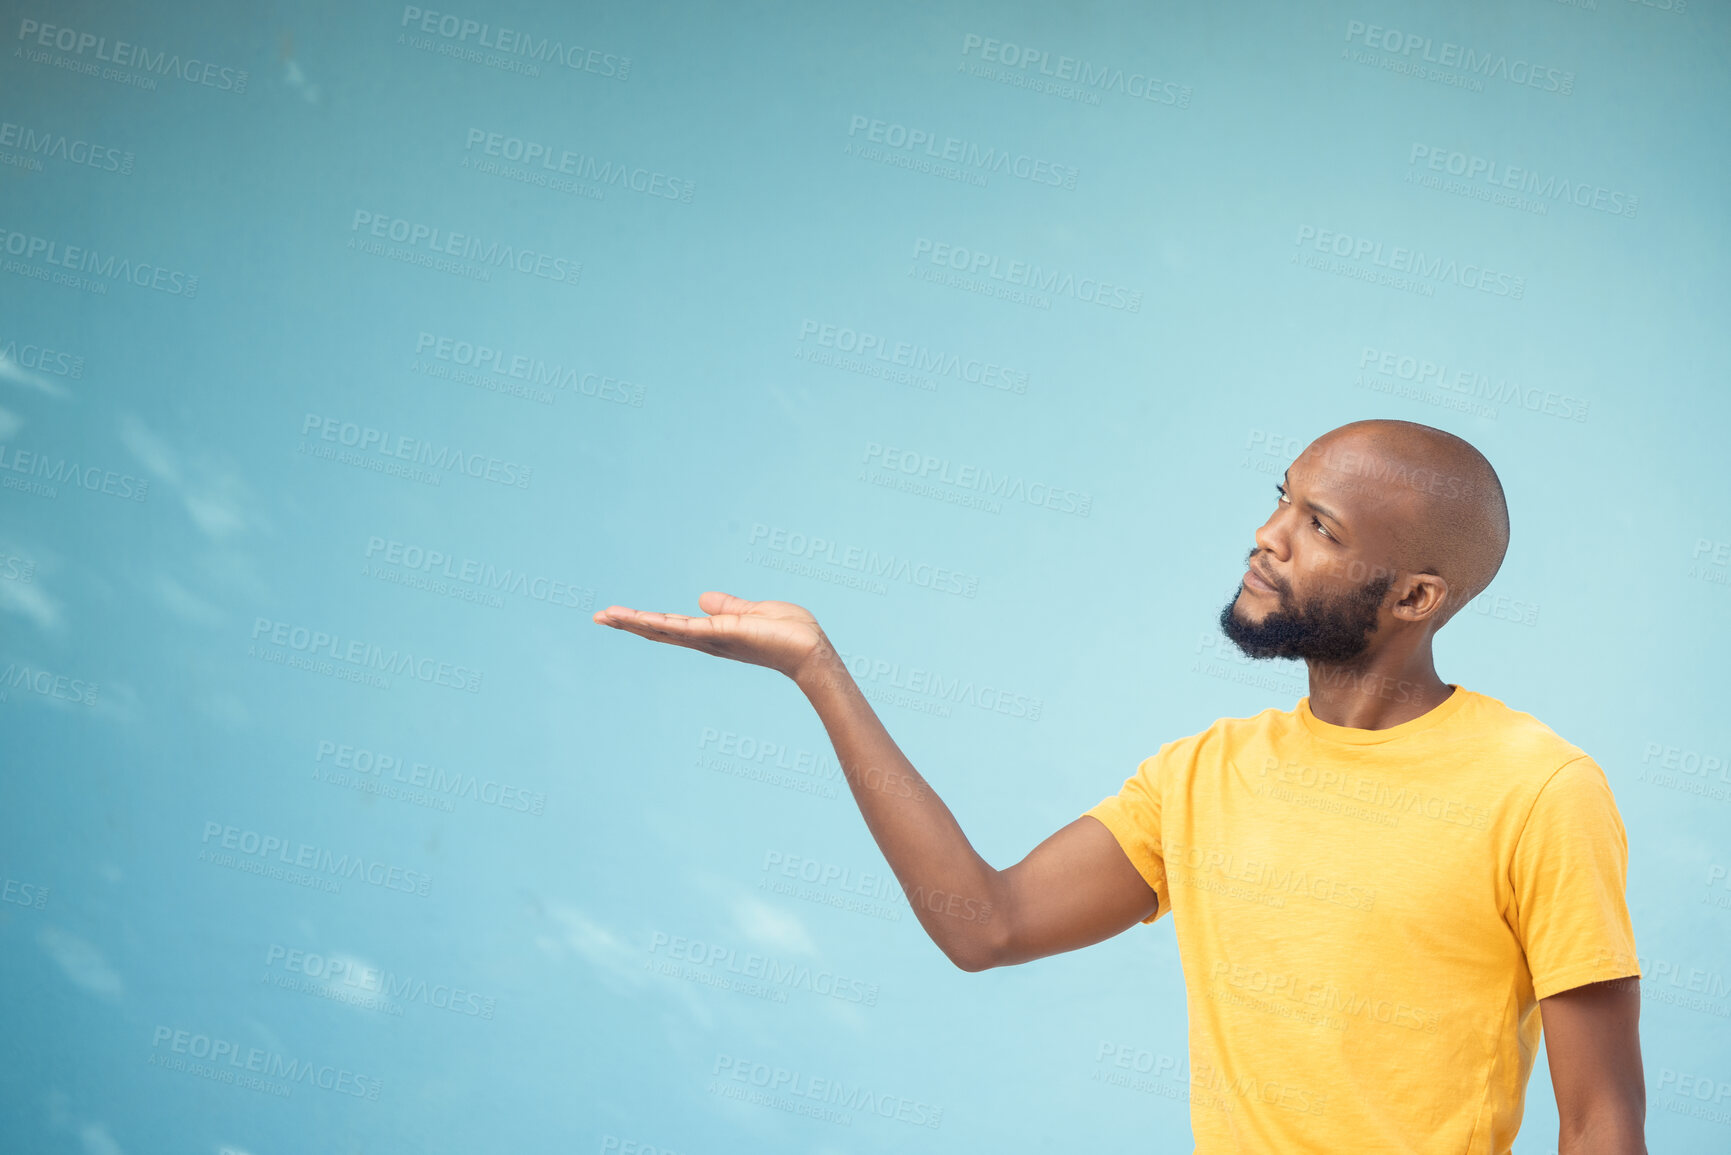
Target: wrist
822,669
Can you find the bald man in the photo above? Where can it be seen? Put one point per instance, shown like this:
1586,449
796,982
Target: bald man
1378,895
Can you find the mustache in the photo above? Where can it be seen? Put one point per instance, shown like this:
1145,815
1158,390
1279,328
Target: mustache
1268,575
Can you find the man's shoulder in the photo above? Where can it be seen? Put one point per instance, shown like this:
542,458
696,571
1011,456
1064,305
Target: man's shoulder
1519,739
1224,735
1484,727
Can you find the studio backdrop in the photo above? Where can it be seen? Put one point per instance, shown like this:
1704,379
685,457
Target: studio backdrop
352,356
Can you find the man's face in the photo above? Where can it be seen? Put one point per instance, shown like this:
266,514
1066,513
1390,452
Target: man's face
1323,598
1324,628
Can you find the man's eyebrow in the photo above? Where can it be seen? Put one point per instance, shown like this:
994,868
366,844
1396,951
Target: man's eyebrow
1323,510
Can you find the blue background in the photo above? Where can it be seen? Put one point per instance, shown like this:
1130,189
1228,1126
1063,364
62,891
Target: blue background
623,825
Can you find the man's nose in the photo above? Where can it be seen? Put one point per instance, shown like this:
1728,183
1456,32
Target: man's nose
1267,540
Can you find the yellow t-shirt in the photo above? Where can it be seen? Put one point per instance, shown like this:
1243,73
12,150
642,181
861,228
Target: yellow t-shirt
1367,918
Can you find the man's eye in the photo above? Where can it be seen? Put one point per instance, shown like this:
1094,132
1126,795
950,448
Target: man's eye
1280,493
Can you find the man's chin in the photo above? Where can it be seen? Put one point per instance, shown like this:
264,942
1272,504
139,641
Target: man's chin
1246,612
1257,652
1244,605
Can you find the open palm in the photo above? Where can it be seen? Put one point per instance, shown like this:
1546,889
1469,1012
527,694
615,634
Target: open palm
779,635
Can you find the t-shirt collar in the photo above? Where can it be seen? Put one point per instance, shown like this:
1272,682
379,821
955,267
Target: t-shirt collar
1352,736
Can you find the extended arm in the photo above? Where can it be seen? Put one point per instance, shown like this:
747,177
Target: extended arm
1074,889
1592,1041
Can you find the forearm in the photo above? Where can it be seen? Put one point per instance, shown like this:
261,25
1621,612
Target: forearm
952,890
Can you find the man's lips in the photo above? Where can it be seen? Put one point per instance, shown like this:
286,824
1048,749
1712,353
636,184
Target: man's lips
1254,580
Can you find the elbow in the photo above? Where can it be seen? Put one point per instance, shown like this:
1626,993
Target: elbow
1619,1131
972,961
973,932
982,952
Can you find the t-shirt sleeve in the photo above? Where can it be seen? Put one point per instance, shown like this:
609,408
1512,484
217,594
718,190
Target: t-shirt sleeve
1133,817
1569,873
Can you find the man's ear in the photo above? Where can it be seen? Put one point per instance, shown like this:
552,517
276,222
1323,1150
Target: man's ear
1422,596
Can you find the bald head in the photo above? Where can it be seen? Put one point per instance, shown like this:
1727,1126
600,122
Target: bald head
1435,496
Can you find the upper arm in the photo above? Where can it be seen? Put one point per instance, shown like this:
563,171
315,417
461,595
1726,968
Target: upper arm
1075,889
1568,878
1592,1042
1101,874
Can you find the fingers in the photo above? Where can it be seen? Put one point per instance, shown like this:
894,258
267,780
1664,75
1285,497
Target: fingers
710,601
654,624
716,602
626,616
687,632
614,614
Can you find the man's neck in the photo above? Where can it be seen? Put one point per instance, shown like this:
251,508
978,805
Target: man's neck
1374,697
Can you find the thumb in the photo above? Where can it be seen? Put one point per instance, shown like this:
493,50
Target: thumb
716,602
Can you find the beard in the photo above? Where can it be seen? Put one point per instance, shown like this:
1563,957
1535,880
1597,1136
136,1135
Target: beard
1323,629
